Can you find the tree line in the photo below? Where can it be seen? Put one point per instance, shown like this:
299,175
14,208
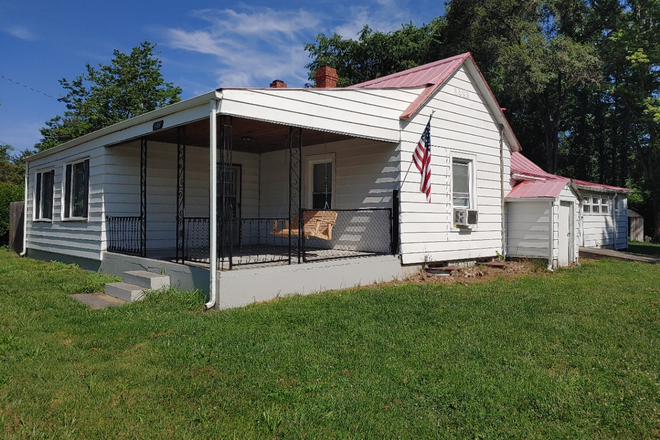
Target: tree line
580,79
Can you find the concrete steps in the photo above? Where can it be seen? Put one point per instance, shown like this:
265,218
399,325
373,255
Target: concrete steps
135,283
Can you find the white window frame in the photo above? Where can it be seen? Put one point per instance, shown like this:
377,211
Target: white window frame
315,160
68,207
472,178
588,204
39,197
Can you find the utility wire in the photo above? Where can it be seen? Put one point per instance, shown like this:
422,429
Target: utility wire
27,87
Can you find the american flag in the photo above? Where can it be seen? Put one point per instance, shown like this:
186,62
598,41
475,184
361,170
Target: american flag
422,159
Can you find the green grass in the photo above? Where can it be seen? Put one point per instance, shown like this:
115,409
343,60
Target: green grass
572,354
639,247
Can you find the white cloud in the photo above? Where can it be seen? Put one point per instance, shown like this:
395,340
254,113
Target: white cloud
252,48
386,16
21,32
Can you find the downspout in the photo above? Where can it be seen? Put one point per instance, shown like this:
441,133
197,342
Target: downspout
614,221
551,244
25,198
213,206
502,190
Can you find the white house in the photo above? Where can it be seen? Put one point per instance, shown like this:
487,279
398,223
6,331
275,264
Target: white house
144,193
550,216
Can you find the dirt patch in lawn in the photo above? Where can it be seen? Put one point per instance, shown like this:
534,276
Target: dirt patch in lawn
476,273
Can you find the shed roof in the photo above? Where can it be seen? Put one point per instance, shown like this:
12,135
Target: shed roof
532,189
524,168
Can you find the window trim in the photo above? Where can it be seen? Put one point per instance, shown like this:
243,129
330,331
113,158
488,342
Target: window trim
321,159
472,179
67,193
37,214
588,205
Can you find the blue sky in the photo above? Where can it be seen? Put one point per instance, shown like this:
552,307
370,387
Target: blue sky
203,44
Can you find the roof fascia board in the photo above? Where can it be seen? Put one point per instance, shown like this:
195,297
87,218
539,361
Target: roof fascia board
179,113
588,188
529,199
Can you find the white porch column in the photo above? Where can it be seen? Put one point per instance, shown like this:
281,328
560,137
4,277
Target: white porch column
213,205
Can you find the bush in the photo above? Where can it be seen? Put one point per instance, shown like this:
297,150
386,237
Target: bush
9,192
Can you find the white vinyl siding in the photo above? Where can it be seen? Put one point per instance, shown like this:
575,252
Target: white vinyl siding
123,190
528,229
600,229
365,175
462,126
75,238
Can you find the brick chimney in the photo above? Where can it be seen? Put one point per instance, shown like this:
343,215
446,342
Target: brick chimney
278,84
326,77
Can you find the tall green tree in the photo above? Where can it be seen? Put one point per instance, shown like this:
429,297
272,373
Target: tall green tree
130,85
535,54
374,54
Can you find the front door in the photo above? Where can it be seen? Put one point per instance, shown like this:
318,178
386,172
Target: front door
565,233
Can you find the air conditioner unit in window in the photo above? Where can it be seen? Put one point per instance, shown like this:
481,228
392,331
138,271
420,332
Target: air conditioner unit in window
465,217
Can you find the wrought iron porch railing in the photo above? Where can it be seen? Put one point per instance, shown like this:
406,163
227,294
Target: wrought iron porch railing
124,234
243,242
355,233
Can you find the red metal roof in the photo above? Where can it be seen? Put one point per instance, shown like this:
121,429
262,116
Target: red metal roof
528,189
598,186
525,167
428,74
527,171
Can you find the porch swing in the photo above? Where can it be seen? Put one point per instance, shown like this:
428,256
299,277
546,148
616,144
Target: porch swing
315,223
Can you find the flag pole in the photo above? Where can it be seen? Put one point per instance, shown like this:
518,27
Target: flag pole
411,161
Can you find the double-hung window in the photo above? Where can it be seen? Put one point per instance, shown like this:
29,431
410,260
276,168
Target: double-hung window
76,190
43,204
461,170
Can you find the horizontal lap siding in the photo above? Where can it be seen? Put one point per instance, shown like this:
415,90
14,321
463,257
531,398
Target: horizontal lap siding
76,238
123,188
461,126
366,114
528,229
366,173
621,217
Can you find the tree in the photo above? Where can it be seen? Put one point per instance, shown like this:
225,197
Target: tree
374,54
12,173
535,55
131,85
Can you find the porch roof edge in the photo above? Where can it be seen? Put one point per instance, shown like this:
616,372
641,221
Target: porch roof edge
132,122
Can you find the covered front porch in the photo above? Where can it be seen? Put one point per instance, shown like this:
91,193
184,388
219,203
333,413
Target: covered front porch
282,195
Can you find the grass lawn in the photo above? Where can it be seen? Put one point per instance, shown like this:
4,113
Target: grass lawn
572,354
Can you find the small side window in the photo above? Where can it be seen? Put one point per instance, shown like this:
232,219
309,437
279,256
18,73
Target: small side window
43,203
76,190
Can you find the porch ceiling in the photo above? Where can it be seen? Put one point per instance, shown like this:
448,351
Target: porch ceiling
264,136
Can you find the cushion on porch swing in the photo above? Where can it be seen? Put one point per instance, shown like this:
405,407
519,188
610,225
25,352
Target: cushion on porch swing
316,224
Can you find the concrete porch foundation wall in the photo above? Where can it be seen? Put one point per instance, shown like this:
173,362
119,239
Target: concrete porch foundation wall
183,277
245,286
